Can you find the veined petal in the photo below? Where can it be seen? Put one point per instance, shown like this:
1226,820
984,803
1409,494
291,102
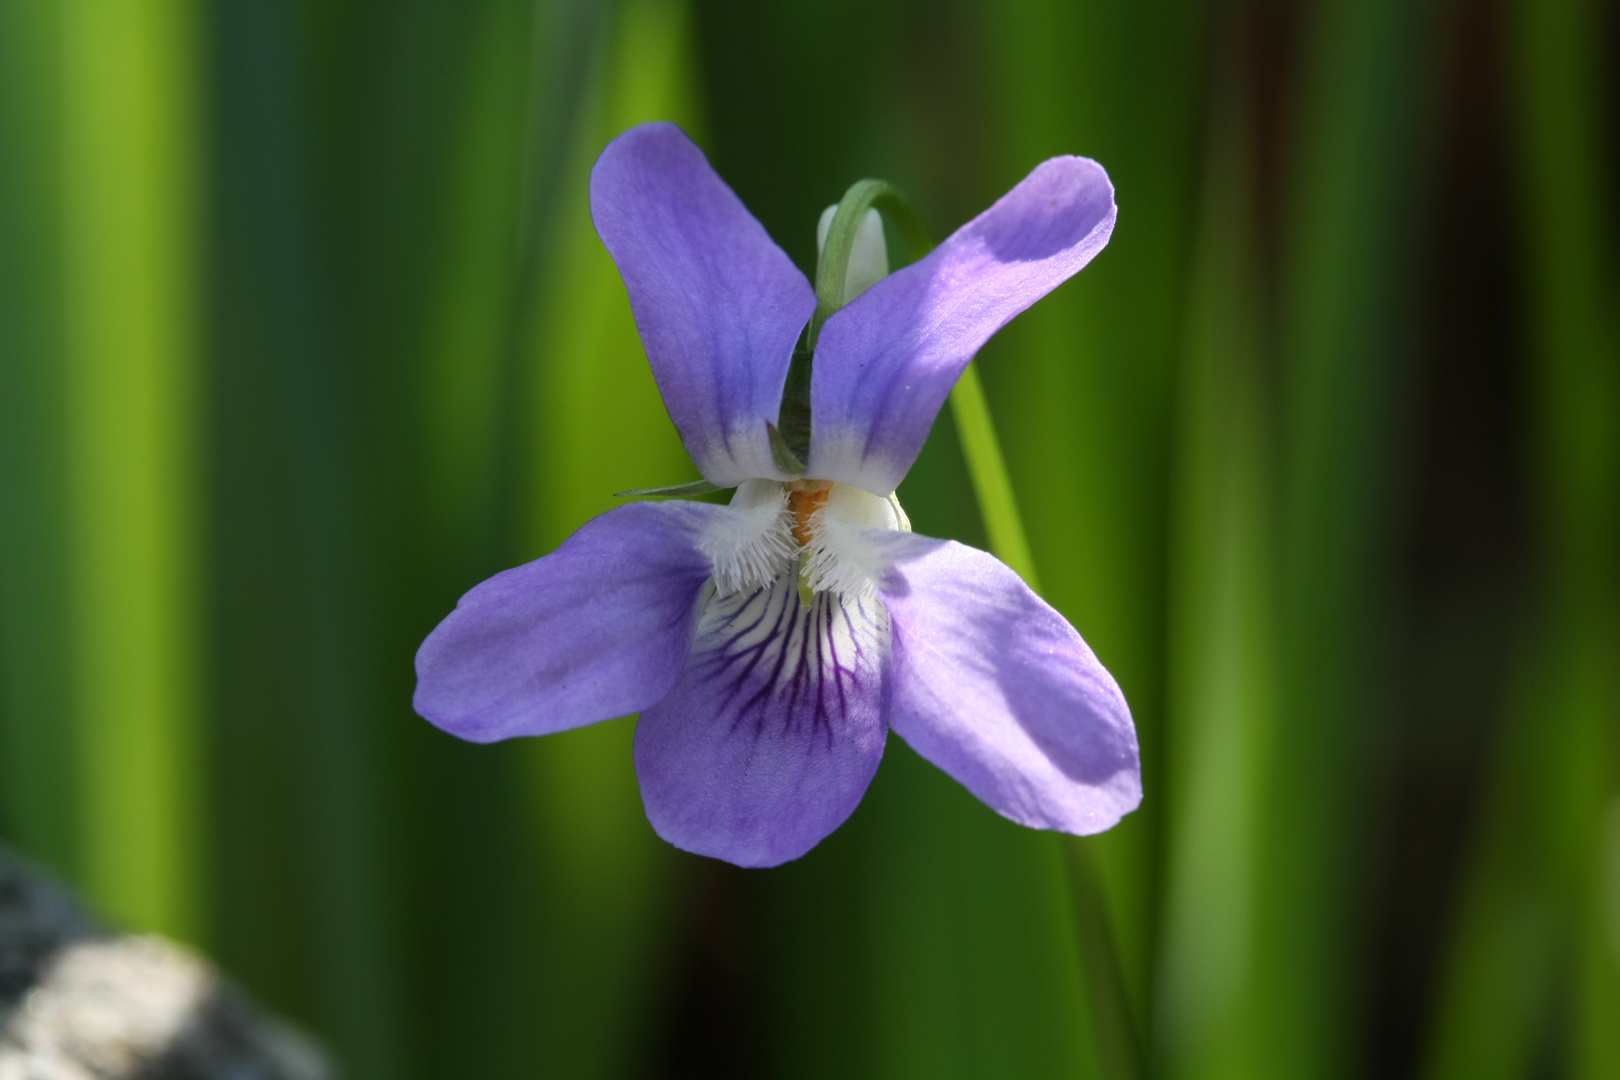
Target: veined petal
997,689
718,304
769,739
599,628
885,363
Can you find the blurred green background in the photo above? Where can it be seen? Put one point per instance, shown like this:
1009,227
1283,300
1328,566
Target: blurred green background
304,330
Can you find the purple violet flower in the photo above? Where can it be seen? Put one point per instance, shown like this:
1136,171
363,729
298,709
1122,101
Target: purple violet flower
770,645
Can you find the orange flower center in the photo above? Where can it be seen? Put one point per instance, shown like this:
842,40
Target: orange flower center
805,500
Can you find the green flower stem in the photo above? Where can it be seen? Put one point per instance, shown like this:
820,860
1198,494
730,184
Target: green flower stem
988,470
1120,1054
986,466
1119,1050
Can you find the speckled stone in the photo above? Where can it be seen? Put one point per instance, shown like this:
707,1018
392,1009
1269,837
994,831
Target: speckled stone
78,1002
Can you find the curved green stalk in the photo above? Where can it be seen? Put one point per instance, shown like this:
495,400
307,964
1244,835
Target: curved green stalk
833,267
987,468
1119,1048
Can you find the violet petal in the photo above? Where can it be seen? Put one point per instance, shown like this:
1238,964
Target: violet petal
999,691
772,734
885,363
718,304
597,629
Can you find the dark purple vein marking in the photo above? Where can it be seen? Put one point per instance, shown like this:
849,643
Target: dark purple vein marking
772,659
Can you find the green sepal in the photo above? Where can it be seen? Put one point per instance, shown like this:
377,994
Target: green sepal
793,418
673,491
782,454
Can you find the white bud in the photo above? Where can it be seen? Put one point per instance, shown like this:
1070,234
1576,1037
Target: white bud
868,256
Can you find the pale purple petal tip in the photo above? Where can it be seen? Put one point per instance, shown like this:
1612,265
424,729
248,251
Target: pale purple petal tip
597,629
718,304
773,732
885,363
997,689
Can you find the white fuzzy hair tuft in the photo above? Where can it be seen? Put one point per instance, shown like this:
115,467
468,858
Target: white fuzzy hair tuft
750,546
843,556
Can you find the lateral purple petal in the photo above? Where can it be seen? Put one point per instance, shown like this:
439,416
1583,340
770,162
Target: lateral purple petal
597,629
773,732
718,304
997,689
885,363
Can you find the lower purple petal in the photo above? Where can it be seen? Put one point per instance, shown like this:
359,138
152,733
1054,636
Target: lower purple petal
772,734
599,628
997,689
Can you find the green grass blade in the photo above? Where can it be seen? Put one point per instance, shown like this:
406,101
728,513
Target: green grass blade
300,800
1343,288
98,485
132,189
1088,372
1223,638
39,774
1533,974
1119,1049
597,426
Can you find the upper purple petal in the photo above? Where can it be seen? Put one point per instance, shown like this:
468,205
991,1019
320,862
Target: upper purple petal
773,733
997,689
597,629
718,304
885,363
